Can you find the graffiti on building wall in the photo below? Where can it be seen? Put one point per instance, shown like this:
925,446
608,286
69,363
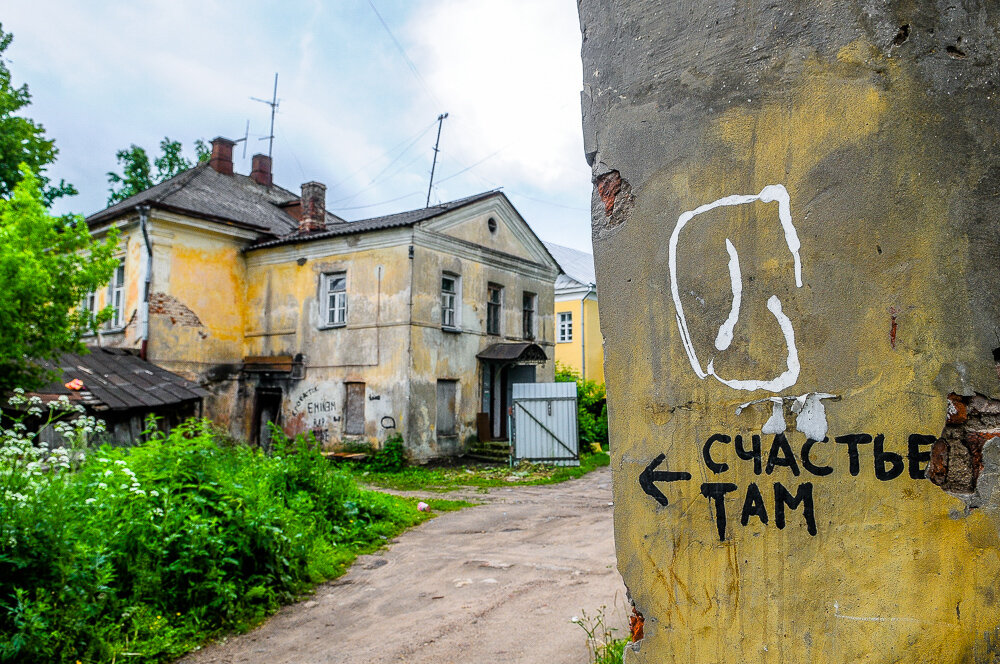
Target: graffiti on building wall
316,413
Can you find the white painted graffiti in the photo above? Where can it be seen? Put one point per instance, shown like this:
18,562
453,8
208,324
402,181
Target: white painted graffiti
774,193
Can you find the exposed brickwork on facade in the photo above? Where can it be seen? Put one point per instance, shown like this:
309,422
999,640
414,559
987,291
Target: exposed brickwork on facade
161,304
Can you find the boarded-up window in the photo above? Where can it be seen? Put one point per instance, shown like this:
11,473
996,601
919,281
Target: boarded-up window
354,409
447,391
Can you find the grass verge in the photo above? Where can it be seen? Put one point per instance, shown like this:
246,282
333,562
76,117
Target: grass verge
449,478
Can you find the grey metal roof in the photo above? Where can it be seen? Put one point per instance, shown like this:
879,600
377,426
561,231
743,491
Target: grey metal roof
396,220
577,266
203,192
117,379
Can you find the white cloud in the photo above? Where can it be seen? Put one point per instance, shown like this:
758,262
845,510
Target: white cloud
509,75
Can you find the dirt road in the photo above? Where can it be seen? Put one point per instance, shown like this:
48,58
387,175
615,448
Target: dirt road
498,582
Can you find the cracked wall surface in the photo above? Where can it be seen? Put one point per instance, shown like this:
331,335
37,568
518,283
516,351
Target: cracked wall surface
795,219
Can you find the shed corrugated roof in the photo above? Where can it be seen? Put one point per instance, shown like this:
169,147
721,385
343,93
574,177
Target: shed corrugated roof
117,379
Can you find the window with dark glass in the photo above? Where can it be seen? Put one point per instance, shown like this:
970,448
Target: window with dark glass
528,314
494,306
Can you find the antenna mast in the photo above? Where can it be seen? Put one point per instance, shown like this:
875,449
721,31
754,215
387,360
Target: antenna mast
434,163
246,135
274,106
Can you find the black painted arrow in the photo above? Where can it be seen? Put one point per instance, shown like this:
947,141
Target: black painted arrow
650,475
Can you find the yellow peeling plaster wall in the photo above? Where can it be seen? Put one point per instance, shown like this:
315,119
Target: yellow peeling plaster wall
197,308
284,319
895,311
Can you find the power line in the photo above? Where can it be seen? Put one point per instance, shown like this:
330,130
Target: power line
371,205
400,155
374,182
402,51
411,140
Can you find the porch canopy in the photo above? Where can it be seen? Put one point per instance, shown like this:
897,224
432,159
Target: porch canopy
519,353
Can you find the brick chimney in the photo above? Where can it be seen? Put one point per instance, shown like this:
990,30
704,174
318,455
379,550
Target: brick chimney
313,207
261,171
222,155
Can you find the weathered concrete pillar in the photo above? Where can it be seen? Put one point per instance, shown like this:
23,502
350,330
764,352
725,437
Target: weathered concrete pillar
796,230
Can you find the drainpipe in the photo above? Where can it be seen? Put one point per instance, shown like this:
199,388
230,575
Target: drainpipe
583,331
147,269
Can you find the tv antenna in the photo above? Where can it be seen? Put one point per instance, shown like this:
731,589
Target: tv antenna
246,135
274,106
434,163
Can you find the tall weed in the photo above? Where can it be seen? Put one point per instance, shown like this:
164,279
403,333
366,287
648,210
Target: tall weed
147,550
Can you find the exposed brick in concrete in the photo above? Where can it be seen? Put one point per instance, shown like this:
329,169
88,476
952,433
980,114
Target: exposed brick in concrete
957,457
161,304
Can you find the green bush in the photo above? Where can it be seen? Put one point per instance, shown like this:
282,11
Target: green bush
151,549
592,408
391,458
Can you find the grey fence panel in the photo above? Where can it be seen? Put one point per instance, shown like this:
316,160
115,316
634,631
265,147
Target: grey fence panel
545,427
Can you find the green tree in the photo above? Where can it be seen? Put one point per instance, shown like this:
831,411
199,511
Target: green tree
47,266
137,171
592,407
135,175
22,141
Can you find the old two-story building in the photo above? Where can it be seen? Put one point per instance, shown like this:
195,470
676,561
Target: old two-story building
416,323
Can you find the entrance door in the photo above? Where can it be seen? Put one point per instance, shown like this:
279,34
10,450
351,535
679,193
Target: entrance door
267,408
498,401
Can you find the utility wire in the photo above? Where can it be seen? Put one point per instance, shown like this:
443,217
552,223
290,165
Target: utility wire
402,51
371,205
374,182
400,155
385,154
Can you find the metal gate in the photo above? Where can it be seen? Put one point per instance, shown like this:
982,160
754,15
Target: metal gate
544,423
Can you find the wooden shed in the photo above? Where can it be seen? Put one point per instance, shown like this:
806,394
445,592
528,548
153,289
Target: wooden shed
123,389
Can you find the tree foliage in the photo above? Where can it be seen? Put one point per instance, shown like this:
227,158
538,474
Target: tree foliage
47,265
22,140
137,171
592,408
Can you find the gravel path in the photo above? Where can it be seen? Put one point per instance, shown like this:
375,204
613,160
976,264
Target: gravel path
494,583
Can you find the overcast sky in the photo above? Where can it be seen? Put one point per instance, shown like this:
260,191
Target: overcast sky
357,111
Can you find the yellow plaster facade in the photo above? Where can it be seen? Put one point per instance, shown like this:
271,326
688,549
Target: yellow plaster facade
584,353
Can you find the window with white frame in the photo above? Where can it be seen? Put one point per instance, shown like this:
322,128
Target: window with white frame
494,308
528,314
450,300
335,299
116,297
565,326
89,305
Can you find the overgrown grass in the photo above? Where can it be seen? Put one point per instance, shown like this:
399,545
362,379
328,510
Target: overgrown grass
142,554
449,478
